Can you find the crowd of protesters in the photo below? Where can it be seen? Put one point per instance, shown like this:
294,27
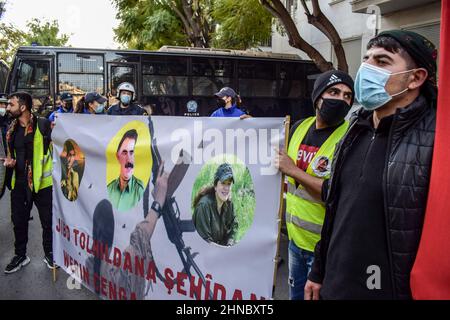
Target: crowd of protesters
357,184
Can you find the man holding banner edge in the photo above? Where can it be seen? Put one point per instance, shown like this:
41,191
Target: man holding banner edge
307,164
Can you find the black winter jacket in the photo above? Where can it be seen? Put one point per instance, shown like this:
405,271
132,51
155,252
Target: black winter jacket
46,131
405,189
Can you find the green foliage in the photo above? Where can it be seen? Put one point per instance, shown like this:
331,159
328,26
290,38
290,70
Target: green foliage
243,194
161,28
10,40
242,24
45,33
233,24
147,24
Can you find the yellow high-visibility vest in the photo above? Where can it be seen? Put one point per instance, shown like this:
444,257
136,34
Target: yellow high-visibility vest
304,214
42,163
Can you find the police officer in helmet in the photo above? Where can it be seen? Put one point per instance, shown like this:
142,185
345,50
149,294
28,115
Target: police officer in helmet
126,95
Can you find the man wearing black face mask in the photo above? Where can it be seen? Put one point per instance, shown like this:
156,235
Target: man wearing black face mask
307,163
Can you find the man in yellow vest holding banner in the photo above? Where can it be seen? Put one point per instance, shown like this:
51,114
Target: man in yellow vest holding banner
29,163
307,163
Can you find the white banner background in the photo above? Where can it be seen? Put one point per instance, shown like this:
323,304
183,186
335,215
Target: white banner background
247,266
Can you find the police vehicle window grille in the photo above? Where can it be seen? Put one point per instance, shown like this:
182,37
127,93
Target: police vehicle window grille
257,88
165,76
291,71
268,107
165,66
80,73
257,79
311,74
121,74
165,85
291,78
3,75
212,67
81,83
256,70
33,77
209,75
80,63
207,86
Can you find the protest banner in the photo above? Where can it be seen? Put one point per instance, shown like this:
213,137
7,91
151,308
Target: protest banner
216,237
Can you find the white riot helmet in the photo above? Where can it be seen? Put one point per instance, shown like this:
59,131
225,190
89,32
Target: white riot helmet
126,86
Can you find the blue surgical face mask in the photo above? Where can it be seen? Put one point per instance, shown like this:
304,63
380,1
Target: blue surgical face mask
370,86
2,112
100,108
125,99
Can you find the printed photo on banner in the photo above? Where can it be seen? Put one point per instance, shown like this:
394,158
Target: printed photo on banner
125,242
72,169
223,200
129,164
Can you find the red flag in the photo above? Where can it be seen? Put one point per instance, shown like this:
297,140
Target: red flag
430,277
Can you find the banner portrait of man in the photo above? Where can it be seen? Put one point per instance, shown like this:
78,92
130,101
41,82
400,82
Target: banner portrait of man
127,182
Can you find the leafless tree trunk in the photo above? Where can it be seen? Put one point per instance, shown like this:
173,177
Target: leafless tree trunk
317,19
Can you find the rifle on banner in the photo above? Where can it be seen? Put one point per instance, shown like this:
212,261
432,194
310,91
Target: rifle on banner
175,227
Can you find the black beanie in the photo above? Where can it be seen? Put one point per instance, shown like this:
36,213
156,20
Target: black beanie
421,50
329,79
424,54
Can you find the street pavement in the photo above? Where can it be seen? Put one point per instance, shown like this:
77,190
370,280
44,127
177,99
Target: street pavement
35,281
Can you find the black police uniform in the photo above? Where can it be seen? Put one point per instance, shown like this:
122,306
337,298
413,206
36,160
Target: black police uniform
132,110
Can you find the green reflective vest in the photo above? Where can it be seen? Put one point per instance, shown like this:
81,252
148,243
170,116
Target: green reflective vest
42,163
304,214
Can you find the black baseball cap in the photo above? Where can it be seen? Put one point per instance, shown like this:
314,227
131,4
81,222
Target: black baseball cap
66,97
226,92
3,98
223,173
94,96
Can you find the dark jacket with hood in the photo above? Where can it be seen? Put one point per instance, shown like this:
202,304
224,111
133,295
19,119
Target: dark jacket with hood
406,178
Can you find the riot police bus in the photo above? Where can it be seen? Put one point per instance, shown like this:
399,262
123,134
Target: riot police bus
172,81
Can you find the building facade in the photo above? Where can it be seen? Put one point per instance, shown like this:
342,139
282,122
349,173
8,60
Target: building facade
357,21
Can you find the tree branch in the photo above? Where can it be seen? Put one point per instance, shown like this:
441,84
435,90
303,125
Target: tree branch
305,7
316,8
321,22
277,9
193,21
184,20
266,4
